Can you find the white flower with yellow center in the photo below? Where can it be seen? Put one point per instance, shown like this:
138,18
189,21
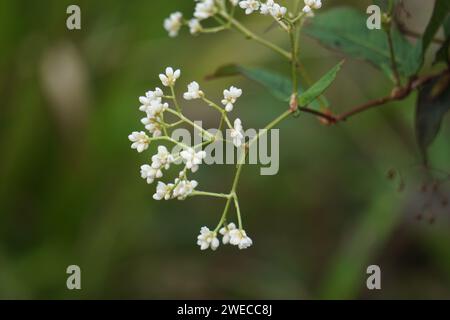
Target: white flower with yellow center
170,77
192,158
140,141
173,23
249,5
238,237
193,92
230,96
225,232
207,239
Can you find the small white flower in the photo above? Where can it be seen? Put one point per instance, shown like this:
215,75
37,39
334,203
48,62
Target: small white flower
238,237
183,188
173,23
192,158
150,174
307,9
310,5
154,108
170,77
140,141
193,92
229,97
163,191
207,239
162,159
205,9
266,7
225,232
152,125
194,26
151,96
237,133
249,5
278,11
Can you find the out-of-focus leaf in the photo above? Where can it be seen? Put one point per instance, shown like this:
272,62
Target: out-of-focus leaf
443,54
440,12
320,86
277,85
344,29
432,104
348,267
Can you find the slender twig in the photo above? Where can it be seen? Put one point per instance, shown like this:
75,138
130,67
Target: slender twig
392,55
397,94
403,29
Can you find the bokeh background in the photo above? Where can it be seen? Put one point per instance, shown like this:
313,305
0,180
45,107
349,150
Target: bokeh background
70,191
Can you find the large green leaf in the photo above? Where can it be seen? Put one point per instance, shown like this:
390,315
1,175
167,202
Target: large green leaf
432,104
345,29
440,12
277,85
319,87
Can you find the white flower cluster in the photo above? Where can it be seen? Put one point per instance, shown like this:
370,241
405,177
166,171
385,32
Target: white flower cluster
205,9
154,107
310,5
161,160
270,7
230,235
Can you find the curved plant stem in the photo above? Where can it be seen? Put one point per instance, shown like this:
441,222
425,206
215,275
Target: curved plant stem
182,117
251,35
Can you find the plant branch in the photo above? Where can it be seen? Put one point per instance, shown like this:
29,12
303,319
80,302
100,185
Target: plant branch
396,95
403,29
392,55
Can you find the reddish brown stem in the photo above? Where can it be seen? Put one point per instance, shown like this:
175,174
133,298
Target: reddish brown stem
396,95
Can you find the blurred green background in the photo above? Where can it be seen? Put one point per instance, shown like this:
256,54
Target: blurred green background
70,191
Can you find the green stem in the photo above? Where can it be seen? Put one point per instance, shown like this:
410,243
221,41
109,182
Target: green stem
221,110
175,101
249,34
209,194
224,214
272,124
165,138
182,117
392,54
214,29
294,77
238,211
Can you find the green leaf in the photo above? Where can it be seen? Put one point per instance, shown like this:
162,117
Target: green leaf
443,54
345,29
432,104
372,229
320,86
440,12
277,85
